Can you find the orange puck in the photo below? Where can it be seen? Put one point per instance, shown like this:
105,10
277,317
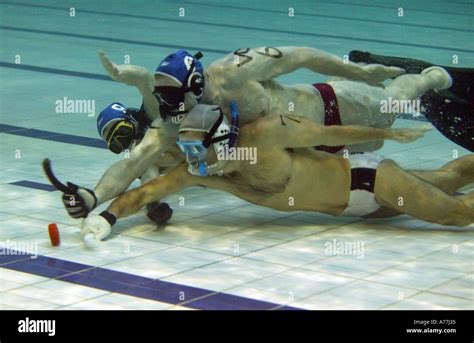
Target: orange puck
54,234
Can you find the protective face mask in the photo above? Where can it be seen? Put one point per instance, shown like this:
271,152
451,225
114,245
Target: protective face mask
193,148
121,136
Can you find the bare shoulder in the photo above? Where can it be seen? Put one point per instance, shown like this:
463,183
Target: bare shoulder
222,63
222,68
242,58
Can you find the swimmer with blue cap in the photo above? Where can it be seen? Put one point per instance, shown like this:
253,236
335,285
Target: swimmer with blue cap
249,77
186,88
119,126
122,128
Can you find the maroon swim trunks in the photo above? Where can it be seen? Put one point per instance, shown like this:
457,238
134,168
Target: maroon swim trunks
331,113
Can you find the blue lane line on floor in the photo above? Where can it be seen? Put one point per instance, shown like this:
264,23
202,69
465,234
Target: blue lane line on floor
115,40
125,283
35,185
129,284
298,12
187,21
55,71
115,281
174,46
459,2
52,136
394,7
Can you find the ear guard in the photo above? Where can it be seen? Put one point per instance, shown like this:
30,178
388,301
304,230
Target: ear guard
195,79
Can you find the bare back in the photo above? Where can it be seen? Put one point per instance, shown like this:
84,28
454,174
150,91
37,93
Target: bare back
243,76
226,80
292,179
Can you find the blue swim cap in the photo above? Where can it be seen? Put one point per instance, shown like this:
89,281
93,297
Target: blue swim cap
112,113
177,66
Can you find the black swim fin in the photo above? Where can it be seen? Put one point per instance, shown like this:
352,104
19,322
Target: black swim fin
463,78
453,118
411,66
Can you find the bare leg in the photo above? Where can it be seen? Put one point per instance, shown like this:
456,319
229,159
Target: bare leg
452,176
449,178
404,192
412,86
359,104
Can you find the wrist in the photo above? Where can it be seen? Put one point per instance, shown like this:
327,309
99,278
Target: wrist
111,219
94,204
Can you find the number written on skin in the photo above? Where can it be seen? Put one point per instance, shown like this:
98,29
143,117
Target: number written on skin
244,58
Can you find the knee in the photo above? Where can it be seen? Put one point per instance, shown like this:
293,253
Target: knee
459,216
455,221
464,219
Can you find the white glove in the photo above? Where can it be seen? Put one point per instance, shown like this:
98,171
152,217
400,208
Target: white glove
94,228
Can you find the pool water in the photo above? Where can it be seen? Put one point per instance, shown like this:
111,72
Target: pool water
229,253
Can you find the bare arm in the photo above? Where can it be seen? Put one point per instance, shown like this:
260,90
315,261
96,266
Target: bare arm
132,201
121,174
298,132
262,64
97,227
133,75
129,74
177,179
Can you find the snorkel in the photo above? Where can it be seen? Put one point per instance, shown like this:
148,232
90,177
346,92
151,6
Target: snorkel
234,125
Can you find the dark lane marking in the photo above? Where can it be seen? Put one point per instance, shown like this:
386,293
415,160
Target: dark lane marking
52,136
394,8
34,185
188,21
173,46
109,39
130,284
55,71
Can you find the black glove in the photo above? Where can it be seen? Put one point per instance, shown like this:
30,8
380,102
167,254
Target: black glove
79,201
159,212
